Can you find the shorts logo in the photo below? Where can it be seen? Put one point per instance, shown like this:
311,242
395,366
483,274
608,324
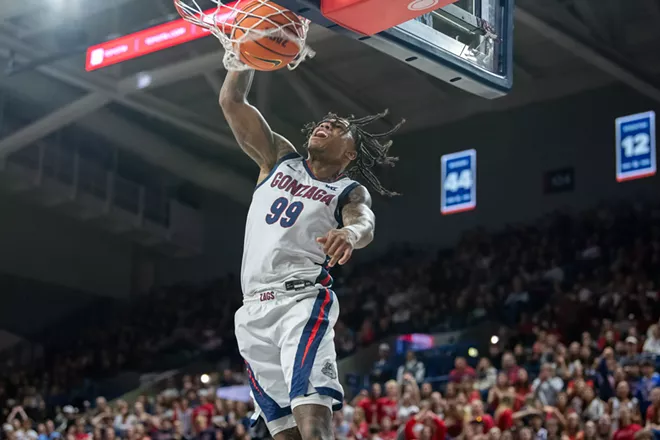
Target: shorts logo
329,370
421,5
267,296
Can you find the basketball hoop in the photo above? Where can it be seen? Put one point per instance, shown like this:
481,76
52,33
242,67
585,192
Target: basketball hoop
220,22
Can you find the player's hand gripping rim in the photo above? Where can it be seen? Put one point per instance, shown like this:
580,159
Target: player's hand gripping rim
338,244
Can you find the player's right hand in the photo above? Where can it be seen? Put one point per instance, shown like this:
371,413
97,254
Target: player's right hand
338,244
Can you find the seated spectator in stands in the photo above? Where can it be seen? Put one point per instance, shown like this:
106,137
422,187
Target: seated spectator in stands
407,407
205,408
501,389
486,376
371,404
594,408
382,371
649,380
425,425
652,344
521,386
461,371
509,367
413,367
653,410
627,428
590,432
341,427
359,427
547,386
479,416
622,399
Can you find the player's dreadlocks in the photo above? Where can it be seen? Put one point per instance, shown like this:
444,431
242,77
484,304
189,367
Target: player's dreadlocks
370,150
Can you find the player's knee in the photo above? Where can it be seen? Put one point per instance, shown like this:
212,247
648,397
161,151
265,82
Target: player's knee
316,428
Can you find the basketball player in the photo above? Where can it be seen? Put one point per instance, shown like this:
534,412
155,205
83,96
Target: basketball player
306,216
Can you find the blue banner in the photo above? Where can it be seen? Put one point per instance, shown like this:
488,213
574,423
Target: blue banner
458,185
635,146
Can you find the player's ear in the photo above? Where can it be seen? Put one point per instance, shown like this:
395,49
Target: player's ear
351,154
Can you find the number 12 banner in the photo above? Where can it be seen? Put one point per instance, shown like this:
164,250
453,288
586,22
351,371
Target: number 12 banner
635,146
458,185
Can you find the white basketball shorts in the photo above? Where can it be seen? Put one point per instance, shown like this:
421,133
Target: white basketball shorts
287,341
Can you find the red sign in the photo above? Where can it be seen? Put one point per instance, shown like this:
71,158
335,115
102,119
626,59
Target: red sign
148,41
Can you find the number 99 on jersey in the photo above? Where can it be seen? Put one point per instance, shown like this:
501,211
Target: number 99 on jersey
635,146
458,182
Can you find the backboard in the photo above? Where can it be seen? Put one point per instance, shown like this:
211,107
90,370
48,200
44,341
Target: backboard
467,43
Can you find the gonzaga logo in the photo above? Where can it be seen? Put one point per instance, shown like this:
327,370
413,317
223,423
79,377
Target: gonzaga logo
421,5
267,296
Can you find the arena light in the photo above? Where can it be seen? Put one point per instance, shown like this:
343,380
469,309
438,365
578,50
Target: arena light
153,39
204,378
473,352
494,339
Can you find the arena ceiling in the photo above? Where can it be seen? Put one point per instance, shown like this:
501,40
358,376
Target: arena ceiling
561,47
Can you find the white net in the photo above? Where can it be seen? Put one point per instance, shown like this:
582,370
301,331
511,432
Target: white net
225,21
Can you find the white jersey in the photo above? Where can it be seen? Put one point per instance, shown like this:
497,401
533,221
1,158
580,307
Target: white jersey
290,209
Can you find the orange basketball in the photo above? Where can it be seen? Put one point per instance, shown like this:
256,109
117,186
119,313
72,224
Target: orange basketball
272,52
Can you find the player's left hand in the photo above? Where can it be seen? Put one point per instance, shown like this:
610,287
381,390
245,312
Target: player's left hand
338,244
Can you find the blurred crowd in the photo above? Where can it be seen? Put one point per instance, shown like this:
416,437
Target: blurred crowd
575,357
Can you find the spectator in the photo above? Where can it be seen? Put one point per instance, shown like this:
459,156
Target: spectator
486,376
371,404
652,344
382,371
547,386
485,421
425,425
649,380
413,367
593,406
509,367
462,371
627,428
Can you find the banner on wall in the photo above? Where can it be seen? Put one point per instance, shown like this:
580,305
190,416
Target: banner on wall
458,182
635,146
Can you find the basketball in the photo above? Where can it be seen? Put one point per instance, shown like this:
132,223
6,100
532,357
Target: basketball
266,52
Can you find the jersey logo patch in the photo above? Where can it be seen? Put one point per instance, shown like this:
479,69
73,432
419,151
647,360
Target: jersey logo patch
332,188
267,296
329,370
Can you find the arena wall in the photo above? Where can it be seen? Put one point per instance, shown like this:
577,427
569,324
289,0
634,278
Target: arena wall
514,150
42,245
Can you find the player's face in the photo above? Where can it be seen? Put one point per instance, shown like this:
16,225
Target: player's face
332,141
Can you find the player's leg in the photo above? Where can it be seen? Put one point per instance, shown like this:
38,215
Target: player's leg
309,362
314,422
288,434
253,328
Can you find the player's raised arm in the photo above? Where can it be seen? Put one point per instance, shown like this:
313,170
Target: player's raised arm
358,230
248,125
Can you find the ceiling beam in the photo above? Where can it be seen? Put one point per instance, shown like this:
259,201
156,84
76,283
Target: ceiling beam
143,103
55,20
129,94
588,53
141,142
52,122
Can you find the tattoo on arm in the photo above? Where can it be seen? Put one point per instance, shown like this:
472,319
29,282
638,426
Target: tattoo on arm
250,129
358,214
